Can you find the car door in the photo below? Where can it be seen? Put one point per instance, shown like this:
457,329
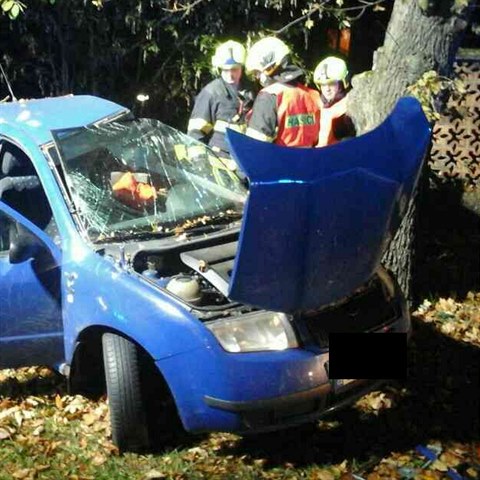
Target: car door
31,331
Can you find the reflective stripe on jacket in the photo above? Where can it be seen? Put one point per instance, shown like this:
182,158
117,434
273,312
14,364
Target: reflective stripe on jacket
217,107
221,126
297,116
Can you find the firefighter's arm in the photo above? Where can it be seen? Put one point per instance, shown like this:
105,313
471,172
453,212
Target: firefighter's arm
263,122
201,121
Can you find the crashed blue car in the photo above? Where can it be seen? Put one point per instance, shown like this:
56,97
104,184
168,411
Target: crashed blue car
133,260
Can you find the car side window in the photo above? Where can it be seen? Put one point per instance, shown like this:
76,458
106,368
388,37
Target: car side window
21,189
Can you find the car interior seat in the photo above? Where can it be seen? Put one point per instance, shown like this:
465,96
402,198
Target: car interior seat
20,187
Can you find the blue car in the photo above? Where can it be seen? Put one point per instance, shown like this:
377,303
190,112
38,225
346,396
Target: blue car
134,260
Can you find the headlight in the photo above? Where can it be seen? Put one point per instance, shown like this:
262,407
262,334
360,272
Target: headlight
254,332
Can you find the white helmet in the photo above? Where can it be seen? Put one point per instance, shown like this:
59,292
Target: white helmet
229,55
266,55
329,70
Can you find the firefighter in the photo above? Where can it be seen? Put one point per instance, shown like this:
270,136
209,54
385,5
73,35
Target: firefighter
331,78
285,111
224,102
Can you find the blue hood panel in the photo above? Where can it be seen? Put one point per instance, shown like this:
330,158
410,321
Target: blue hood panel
318,220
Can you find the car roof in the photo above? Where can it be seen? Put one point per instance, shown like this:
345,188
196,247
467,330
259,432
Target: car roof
38,117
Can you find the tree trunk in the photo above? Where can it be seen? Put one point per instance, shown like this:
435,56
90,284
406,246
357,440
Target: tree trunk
422,35
417,40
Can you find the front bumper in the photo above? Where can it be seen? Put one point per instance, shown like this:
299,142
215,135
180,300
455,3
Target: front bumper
253,392
294,409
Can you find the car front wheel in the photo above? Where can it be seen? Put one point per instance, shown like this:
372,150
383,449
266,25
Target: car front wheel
122,375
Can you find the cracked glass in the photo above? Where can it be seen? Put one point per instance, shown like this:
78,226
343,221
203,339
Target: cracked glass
137,178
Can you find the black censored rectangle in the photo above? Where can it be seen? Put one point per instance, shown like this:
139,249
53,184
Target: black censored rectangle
368,355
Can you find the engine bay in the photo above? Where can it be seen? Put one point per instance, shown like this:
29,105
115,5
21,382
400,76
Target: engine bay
198,276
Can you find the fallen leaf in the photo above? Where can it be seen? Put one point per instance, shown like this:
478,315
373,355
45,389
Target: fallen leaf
58,402
154,475
438,465
22,473
6,403
198,451
40,429
472,473
451,459
89,418
324,475
41,468
347,476
98,460
18,417
428,475
9,411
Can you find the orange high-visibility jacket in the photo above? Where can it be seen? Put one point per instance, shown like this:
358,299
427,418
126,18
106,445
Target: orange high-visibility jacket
329,118
298,114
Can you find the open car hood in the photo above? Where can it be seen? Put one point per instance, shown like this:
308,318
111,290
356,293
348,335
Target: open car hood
318,220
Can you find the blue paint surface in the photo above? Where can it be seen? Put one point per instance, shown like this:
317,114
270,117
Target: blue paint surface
38,117
315,238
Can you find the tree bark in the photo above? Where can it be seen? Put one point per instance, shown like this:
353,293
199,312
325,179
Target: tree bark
422,35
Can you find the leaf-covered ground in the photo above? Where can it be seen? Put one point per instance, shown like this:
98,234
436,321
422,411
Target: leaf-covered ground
47,434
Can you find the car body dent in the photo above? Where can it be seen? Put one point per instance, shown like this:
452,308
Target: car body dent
320,219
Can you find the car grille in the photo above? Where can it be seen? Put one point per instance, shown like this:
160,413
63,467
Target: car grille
364,311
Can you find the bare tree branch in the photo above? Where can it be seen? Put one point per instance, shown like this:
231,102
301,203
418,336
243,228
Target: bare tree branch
366,4
316,8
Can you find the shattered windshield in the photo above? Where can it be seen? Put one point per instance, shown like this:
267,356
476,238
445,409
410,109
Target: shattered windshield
140,177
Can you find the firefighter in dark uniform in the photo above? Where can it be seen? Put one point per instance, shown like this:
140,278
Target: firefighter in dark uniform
286,111
224,102
331,78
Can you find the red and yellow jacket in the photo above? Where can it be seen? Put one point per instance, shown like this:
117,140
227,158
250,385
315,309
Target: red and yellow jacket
335,124
329,119
287,115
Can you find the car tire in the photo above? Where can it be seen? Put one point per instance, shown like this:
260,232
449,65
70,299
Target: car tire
123,382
